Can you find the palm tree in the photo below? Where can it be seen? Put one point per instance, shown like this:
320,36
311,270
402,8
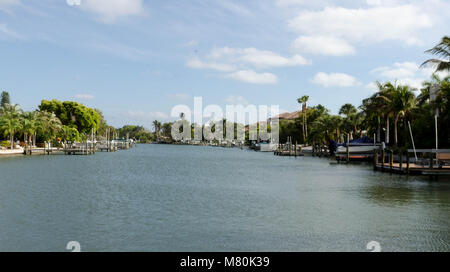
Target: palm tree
373,109
403,102
425,92
48,125
29,126
383,100
335,124
303,100
69,134
441,50
157,126
351,119
10,121
167,130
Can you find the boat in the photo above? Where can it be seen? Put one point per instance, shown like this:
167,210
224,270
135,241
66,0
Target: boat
358,149
307,150
16,151
266,147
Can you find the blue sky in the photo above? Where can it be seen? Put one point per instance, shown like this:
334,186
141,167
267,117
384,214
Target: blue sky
136,59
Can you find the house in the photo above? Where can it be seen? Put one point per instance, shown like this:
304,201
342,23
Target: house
287,116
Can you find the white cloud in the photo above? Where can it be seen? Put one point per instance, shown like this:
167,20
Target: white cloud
265,59
405,73
397,70
253,77
7,33
375,24
243,61
84,96
334,80
236,100
197,63
321,45
255,57
108,11
372,87
385,2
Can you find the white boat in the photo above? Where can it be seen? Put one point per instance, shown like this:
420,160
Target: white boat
307,149
16,151
266,147
357,149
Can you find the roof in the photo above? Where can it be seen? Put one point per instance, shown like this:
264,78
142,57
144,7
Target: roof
288,115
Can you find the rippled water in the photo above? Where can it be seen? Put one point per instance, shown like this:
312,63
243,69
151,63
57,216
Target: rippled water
183,198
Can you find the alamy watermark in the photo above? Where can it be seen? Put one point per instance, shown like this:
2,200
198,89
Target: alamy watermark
260,122
373,246
73,246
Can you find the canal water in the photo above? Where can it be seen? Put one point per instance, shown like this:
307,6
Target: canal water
184,198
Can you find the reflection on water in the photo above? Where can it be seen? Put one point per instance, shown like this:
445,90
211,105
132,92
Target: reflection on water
389,195
182,198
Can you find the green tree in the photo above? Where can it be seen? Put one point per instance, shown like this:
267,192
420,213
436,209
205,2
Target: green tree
403,103
48,125
29,127
382,100
69,134
136,132
167,130
303,100
73,114
441,50
5,99
351,120
157,127
313,115
10,121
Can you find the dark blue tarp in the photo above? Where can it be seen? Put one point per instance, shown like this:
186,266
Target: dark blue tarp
363,140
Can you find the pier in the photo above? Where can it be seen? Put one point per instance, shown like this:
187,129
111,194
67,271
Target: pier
289,149
427,162
85,148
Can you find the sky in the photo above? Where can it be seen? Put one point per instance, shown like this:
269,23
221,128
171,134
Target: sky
136,59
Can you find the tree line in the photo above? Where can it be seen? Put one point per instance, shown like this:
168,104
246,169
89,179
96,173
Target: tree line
386,115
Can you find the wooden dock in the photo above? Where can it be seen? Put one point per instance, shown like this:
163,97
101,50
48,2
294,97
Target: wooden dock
86,148
413,169
431,162
288,150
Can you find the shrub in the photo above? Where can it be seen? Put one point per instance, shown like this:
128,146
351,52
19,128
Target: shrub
5,144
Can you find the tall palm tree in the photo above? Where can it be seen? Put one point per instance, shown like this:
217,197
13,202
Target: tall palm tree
373,109
335,125
403,102
48,125
441,50
10,121
383,100
157,126
350,113
29,126
303,100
